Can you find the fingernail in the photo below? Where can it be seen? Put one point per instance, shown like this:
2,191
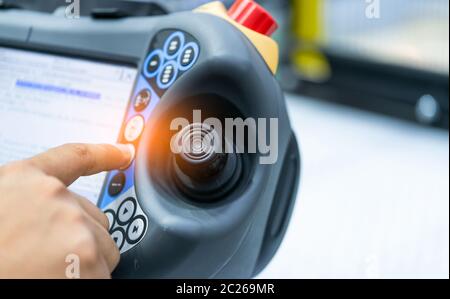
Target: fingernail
129,151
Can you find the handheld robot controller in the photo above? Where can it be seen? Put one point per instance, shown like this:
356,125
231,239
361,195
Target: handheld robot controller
204,214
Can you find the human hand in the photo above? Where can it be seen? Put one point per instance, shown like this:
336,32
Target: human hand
42,222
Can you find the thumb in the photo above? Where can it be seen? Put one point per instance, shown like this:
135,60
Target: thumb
71,161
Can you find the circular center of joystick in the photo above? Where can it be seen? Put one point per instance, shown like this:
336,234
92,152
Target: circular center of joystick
203,170
201,155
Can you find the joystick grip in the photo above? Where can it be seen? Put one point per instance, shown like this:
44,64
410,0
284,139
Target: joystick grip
203,170
201,156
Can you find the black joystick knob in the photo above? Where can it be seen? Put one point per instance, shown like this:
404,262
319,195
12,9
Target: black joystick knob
203,169
201,155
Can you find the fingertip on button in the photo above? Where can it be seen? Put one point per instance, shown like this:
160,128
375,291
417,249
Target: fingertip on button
132,150
129,152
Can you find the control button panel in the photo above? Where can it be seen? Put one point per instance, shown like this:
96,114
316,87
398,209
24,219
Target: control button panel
143,101
172,52
128,223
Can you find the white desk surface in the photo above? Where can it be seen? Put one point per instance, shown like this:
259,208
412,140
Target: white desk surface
373,199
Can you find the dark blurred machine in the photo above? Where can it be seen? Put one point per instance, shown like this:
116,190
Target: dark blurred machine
120,7
391,58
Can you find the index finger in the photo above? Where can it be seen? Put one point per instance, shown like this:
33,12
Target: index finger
71,161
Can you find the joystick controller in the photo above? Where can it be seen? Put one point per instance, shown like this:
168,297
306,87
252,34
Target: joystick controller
217,208
207,210
203,170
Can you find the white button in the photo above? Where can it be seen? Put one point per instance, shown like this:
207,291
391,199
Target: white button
126,211
118,237
134,128
136,229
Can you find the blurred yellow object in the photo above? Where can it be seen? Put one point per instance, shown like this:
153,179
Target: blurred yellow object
308,29
308,24
312,64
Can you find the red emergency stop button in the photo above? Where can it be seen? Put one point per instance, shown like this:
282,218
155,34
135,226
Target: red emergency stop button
253,16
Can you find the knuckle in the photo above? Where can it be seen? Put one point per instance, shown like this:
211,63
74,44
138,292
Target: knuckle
71,214
82,241
86,248
81,150
54,187
77,216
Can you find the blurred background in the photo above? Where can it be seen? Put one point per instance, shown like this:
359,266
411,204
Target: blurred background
367,88
389,57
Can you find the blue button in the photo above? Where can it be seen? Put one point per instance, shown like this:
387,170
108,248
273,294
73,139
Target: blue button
153,63
168,75
188,56
174,44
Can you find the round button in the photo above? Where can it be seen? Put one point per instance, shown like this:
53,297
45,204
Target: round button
118,235
142,100
126,211
116,184
136,230
153,63
134,128
168,75
111,218
188,56
173,44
